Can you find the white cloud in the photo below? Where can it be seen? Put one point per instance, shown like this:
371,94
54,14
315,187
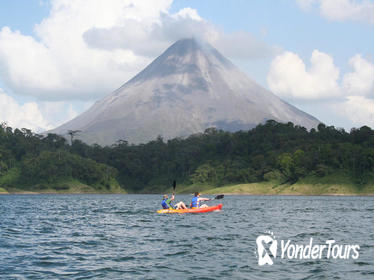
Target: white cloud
351,98
358,109
340,10
305,4
37,116
361,80
58,65
85,49
58,112
290,78
359,88
243,45
348,10
27,115
151,40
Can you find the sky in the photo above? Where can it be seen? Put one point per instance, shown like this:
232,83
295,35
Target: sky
57,57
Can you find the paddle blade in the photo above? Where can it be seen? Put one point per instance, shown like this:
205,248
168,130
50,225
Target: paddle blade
219,196
174,185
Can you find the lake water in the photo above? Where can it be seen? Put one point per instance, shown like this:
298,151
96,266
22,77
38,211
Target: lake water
121,237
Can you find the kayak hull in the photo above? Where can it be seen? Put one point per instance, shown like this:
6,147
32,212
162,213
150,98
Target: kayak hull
197,210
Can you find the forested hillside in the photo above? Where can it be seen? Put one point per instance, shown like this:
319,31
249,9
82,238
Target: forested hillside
34,162
272,151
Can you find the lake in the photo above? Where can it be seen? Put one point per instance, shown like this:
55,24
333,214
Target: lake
122,237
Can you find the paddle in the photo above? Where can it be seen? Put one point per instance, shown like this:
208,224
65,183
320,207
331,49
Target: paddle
220,196
174,186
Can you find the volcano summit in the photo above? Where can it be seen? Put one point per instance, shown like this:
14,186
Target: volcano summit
188,88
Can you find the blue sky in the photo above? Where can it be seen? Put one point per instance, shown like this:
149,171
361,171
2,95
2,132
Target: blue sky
22,14
287,26
315,54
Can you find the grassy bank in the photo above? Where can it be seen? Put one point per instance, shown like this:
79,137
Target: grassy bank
13,183
267,188
64,187
3,191
333,184
337,184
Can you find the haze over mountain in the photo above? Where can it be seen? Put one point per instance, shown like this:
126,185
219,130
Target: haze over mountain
188,88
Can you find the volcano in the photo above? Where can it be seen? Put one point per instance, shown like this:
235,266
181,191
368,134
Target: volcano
188,88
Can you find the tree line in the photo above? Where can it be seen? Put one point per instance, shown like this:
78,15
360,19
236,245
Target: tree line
270,151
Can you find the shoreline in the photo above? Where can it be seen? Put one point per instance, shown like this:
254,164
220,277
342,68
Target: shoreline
64,193
73,189
290,194
269,188
182,193
276,189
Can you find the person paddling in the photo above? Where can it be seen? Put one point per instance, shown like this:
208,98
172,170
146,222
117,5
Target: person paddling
166,203
195,203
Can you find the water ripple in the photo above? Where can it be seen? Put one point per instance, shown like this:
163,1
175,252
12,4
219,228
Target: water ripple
121,237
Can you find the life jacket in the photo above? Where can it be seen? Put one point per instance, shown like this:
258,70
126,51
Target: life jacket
195,202
165,205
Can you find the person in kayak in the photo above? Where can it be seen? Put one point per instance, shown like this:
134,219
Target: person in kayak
166,203
195,203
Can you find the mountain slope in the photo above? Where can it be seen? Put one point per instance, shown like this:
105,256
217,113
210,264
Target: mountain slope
187,89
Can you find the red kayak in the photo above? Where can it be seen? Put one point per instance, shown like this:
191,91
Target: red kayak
194,210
